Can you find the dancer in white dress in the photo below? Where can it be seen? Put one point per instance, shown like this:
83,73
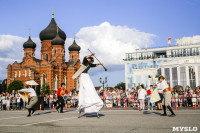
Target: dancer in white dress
89,101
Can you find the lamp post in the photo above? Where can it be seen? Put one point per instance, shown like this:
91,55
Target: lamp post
103,81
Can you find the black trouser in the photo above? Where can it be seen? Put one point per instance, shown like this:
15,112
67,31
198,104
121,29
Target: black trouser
60,103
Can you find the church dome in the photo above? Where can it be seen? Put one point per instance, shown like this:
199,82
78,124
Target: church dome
57,40
50,32
74,47
29,44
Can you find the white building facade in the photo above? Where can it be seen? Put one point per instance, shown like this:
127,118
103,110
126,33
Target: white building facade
179,64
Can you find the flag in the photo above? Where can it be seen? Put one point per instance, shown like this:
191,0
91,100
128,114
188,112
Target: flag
169,40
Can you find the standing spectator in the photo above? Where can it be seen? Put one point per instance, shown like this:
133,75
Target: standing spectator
13,93
173,101
8,98
50,100
118,99
189,100
1,102
159,103
198,95
18,102
14,102
176,99
149,92
181,98
4,103
141,96
187,89
194,98
190,90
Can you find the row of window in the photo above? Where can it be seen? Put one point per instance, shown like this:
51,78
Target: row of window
19,74
163,54
183,80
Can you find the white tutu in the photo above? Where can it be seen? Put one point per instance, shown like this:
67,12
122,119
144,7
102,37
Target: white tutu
89,101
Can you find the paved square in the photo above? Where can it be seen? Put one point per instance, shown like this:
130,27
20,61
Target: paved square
111,121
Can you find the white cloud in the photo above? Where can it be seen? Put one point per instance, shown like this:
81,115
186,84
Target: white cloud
110,43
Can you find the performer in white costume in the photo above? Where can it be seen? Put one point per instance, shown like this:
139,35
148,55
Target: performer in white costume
163,88
33,99
89,101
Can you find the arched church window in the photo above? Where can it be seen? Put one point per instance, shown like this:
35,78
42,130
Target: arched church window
43,79
47,57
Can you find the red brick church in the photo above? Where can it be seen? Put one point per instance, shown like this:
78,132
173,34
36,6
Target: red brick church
52,68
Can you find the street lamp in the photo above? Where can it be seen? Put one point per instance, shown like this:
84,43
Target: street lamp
103,82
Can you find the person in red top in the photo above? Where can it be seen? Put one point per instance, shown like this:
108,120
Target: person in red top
61,93
149,92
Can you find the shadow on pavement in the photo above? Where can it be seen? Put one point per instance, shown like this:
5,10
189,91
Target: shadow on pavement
149,112
43,113
91,115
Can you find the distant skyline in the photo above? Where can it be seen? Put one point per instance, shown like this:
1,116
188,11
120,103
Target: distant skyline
110,28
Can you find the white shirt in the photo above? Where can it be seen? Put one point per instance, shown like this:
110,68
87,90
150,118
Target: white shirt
31,91
141,94
18,99
162,85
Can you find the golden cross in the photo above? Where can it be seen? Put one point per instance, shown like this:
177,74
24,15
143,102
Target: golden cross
52,12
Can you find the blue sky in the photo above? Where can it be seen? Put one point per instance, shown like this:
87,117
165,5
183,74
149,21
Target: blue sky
161,18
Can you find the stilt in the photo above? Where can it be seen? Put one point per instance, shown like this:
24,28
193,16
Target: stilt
79,113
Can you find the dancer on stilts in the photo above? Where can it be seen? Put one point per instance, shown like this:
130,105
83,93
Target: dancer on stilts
89,101
33,99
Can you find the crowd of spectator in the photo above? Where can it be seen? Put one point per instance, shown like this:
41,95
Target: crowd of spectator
116,97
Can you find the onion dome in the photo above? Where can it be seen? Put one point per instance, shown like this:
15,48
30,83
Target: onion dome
74,47
29,44
57,41
50,32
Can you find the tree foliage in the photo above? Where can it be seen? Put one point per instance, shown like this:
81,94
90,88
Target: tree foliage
120,85
15,85
45,89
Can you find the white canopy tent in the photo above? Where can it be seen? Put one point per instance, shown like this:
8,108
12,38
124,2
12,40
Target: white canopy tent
31,82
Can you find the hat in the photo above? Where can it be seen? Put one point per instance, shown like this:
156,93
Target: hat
161,76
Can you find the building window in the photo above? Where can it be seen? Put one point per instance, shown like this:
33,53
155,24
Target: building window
25,73
192,77
183,80
47,57
167,75
19,73
54,51
184,52
15,74
29,73
174,76
197,51
26,54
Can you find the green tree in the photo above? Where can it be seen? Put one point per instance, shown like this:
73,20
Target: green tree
139,85
45,89
120,85
15,85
